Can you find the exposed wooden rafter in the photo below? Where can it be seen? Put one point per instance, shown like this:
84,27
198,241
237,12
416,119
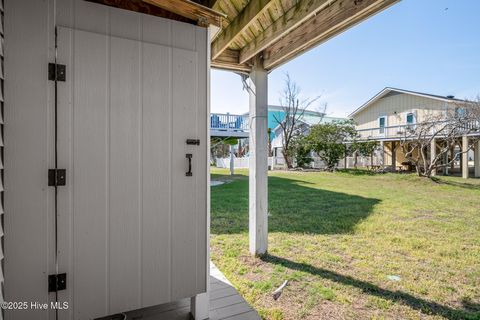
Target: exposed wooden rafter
142,7
335,19
228,60
301,12
191,10
275,30
246,18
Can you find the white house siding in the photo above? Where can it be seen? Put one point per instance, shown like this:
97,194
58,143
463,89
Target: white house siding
395,107
2,78
29,236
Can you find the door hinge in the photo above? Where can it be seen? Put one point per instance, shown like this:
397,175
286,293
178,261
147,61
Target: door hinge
57,282
57,177
57,72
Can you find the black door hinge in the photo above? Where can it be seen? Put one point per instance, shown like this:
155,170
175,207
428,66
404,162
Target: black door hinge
57,282
57,72
57,177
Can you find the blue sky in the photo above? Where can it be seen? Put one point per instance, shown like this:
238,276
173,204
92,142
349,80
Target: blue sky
431,46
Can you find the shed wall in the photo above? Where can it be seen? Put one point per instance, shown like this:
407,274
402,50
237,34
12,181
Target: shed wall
2,86
29,98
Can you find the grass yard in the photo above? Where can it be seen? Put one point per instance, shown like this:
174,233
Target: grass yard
339,236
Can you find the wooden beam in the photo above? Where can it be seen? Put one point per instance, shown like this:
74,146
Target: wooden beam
191,10
329,22
241,22
242,68
295,16
142,7
228,60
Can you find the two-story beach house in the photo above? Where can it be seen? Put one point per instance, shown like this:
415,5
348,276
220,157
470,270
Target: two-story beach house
385,117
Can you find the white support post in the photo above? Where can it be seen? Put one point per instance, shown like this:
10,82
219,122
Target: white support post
232,161
382,153
199,306
433,154
258,164
452,154
477,159
464,157
445,161
394,156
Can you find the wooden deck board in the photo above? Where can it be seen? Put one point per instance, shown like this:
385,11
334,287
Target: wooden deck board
225,304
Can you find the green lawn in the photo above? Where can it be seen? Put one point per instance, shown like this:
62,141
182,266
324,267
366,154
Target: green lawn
338,236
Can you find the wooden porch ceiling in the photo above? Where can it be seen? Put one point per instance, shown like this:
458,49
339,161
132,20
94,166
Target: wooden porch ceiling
279,30
275,30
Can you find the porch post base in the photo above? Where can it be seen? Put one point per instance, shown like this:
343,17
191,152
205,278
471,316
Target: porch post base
199,306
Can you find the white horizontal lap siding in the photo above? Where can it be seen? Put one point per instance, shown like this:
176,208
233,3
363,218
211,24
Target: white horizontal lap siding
395,109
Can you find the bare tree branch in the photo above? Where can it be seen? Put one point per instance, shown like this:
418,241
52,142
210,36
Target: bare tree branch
294,110
447,129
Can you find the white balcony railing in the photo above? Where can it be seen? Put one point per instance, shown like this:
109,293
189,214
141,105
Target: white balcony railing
399,131
229,122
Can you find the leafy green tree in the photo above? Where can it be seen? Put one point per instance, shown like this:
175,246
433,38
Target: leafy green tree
220,147
301,149
364,149
328,140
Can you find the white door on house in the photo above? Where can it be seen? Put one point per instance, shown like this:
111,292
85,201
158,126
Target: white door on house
132,224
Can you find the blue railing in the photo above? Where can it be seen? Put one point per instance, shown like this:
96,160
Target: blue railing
228,122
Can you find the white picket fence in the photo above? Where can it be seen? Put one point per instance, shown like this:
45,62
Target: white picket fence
279,162
238,163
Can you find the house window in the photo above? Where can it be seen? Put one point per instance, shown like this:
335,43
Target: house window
381,124
410,118
460,112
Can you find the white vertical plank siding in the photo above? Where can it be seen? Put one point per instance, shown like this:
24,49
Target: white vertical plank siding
28,202
2,79
156,180
150,232
65,160
91,124
183,227
202,183
124,174
132,226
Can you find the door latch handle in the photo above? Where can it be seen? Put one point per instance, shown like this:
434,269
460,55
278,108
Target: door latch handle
194,142
189,157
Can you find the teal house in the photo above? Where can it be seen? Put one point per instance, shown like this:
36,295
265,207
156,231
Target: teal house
277,113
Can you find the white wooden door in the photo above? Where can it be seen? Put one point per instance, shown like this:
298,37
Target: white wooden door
132,225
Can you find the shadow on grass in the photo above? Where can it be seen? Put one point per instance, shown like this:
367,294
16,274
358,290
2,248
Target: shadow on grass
466,185
294,206
425,306
358,172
